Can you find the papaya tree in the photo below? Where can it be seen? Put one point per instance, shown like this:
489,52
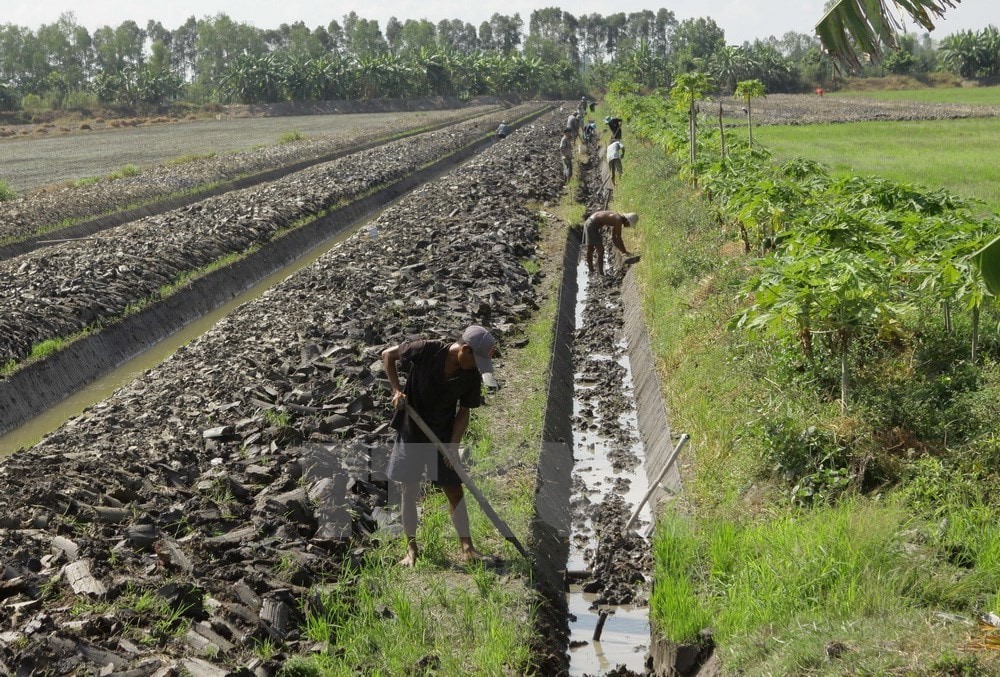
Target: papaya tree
749,90
688,89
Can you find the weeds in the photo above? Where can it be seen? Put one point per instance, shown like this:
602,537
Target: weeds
6,192
125,172
291,136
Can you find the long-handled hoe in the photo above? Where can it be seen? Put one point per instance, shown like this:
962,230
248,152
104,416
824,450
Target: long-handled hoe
453,459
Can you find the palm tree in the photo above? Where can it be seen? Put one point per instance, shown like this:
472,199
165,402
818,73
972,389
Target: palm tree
851,26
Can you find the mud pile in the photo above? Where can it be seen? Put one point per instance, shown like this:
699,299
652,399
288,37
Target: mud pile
223,483
66,288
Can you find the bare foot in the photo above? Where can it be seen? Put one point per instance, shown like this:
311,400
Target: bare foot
470,555
410,559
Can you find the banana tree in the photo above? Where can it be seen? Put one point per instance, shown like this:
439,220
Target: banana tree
865,26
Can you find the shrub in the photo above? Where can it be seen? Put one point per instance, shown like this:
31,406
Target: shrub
32,103
80,101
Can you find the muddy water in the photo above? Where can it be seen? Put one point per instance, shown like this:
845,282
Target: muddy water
32,431
625,636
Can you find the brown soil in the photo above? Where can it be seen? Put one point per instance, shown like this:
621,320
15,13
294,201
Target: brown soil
799,109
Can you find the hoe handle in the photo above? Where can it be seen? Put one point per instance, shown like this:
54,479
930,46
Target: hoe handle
453,459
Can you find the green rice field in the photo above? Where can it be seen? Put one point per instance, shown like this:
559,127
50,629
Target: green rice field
958,155
973,96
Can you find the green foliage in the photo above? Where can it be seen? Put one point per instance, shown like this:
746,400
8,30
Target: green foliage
33,103
292,136
675,610
77,100
46,348
814,461
6,192
125,172
780,580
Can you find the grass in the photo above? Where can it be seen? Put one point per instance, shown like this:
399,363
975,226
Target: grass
954,154
971,96
884,584
6,192
377,624
190,157
125,172
289,137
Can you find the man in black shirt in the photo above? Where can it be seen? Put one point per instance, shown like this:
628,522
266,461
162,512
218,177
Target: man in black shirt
444,382
615,125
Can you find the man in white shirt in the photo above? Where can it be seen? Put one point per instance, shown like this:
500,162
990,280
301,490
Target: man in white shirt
616,151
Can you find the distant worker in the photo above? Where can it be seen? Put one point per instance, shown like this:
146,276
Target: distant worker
594,240
583,106
503,130
616,152
819,90
573,124
566,151
615,125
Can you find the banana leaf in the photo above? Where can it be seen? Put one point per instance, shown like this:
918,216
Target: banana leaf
855,27
987,260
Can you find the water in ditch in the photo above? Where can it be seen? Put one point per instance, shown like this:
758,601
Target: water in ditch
624,639
32,431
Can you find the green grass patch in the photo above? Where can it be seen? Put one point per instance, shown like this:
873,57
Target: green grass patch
190,157
957,155
6,192
289,137
46,348
125,172
968,96
373,622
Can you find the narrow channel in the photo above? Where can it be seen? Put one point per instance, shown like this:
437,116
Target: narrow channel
604,466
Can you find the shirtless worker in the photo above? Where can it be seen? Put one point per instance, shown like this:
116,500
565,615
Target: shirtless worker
594,239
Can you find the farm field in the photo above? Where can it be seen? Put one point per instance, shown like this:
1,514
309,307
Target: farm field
27,163
337,315
958,155
808,109
972,96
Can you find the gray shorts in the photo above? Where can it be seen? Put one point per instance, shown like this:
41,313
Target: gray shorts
592,234
411,461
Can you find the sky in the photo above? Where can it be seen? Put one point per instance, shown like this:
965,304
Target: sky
742,20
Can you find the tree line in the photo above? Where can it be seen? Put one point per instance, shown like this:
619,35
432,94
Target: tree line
217,59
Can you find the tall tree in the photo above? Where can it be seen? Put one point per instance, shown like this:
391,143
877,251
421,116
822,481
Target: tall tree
363,37
696,41
221,42
184,48
506,32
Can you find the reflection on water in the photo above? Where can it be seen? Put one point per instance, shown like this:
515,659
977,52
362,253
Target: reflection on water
625,636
